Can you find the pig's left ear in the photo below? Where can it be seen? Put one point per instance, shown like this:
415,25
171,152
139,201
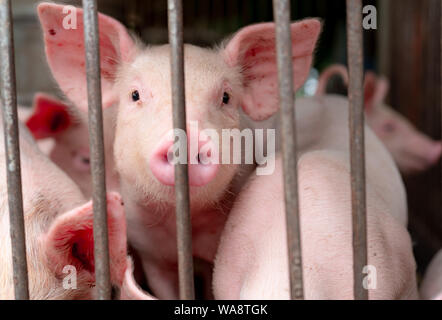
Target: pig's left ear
49,117
69,241
253,50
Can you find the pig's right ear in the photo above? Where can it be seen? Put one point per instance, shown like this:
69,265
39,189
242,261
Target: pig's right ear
64,41
69,241
253,51
49,117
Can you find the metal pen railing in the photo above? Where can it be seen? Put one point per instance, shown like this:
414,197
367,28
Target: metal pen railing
96,144
12,152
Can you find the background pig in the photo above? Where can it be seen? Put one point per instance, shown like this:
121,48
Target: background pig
241,73
431,286
412,150
252,261
58,224
62,133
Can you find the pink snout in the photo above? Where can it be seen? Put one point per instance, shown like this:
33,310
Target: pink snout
435,152
201,172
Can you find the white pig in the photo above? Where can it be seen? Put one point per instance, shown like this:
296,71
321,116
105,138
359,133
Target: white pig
412,150
58,225
431,286
252,259
238,74
62,133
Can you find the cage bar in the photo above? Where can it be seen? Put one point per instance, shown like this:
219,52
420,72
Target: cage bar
281,11
101,243
12,152
357,145
183,222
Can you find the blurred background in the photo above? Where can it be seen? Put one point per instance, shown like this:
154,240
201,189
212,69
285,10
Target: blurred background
405,47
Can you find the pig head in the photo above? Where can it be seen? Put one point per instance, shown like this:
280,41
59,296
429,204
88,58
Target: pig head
218,82
67,127
412,150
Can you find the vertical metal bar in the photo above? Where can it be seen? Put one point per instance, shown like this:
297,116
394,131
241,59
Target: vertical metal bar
281,12
357,145
12,151
101,246
183,221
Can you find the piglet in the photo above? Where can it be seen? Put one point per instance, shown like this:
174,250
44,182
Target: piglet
62,133
431,286
58,225
252,259
240,74
412,150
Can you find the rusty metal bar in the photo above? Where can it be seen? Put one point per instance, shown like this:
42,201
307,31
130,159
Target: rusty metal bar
357,145
12,151
183,221
101,243
281,12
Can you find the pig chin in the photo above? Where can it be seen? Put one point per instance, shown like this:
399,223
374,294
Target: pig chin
201,197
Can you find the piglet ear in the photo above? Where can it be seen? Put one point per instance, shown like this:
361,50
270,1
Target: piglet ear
375,90
329,72
253,50
69,241
49,117
64,40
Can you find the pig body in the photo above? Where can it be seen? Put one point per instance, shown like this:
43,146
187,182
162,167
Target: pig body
412,150
252,260
431,287
58,226
240,74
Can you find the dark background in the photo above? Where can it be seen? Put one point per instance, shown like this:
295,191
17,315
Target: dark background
405,47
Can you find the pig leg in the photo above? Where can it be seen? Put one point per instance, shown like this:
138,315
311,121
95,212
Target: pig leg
252,261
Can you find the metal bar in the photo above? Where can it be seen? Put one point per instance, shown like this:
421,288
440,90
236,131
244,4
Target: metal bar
12,150
281,12
101,246
183,221
357,145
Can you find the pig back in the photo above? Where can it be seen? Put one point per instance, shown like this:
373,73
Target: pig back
329,115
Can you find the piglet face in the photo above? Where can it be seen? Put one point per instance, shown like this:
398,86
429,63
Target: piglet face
144,133
412,150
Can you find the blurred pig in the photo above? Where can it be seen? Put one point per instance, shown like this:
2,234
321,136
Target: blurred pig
252,259
431,286
240,74
62,133
412,150
58,225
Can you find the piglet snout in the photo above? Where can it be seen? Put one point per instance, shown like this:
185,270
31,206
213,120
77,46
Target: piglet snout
200,167
435,152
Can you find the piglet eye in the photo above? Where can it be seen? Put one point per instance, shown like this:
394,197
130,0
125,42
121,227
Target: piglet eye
226,98
135,95
388,127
